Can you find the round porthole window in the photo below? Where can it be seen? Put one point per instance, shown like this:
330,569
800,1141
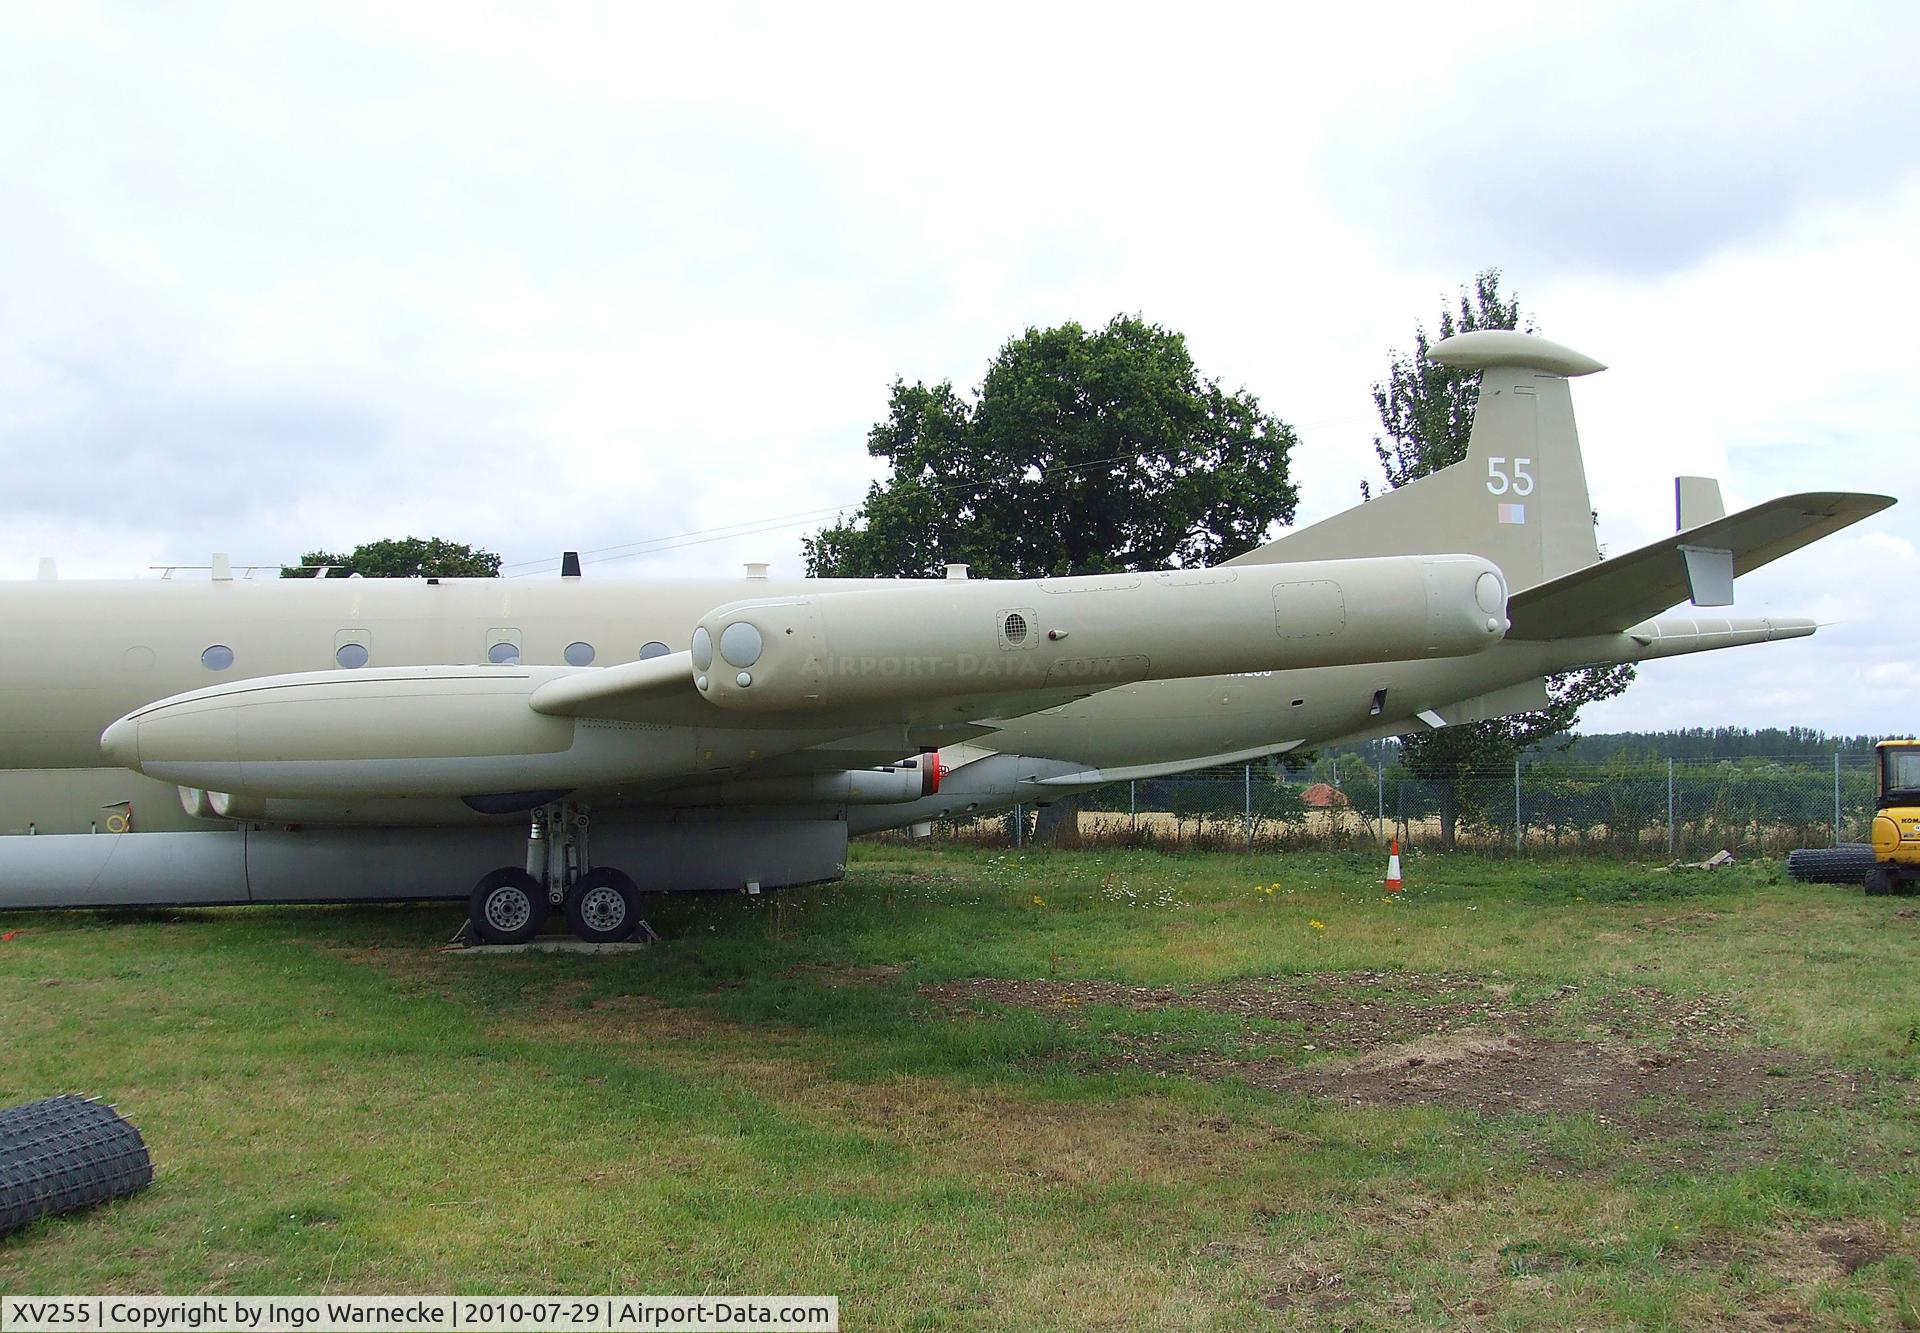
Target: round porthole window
1015,627
702,648
579,654
740,644
654,649
351,655
504,654
217,658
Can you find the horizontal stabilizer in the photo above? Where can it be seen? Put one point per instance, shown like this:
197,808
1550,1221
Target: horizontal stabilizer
1617,594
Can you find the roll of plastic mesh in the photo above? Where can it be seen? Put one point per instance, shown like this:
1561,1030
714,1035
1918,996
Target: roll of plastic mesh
1848,863
65,1153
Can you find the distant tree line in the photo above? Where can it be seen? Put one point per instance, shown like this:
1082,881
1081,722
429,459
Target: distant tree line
1686,744
1714,743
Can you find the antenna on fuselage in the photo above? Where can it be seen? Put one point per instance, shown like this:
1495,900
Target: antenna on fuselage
570,564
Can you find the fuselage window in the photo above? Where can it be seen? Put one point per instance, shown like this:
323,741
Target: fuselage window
217,658
504,654
654,649
351,655
579,654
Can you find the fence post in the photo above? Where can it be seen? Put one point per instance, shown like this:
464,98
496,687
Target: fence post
1836,798
1670,833
1248,777
1133,807
1381,823
1019,825
1519,839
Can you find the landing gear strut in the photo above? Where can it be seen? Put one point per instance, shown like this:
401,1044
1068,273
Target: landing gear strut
509,905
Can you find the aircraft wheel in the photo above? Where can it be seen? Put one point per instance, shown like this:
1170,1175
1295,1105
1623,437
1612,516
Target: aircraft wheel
508,906
603,906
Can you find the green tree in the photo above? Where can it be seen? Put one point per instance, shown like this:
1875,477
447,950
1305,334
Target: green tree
400,558
1426,412
1083,451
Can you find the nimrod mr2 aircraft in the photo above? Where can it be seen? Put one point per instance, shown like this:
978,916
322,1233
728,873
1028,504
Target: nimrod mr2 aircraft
571,744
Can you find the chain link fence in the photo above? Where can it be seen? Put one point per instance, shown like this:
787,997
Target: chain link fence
1752,806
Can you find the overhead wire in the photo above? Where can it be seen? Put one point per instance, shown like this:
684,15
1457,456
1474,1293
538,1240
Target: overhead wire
775,523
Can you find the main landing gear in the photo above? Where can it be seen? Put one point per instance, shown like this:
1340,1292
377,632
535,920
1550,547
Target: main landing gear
509,905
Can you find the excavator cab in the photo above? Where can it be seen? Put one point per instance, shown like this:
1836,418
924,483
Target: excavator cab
1896,820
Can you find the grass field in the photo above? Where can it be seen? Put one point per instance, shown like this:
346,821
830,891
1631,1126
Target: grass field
987,1090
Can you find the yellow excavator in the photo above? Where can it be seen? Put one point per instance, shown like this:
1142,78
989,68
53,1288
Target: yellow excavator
1896,820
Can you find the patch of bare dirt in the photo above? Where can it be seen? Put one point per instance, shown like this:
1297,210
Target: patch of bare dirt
844,974
1850,1251
1645,1059
1319,1290
614,1019
1501,1073
1359,1011
1802,1261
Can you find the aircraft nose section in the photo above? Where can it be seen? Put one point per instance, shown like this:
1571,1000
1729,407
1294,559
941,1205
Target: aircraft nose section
121,743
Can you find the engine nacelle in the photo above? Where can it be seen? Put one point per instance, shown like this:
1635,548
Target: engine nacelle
970,637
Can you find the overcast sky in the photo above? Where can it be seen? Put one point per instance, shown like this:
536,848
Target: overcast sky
275,277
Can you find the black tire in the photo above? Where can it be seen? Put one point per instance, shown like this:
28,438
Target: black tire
1883,882
1849,863
603,906
508,906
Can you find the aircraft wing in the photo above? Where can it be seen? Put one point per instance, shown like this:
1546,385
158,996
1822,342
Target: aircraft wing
1615,594
661,690
654,689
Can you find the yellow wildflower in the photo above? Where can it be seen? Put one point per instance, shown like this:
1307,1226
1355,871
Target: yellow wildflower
1318,925
1038,901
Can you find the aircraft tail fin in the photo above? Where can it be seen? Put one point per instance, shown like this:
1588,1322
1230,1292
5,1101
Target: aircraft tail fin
1519,498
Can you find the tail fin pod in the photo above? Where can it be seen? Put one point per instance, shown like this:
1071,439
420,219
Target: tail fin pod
1519,498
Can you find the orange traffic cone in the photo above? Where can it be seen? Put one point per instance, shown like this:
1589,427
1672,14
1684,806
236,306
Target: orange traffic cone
1393,868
